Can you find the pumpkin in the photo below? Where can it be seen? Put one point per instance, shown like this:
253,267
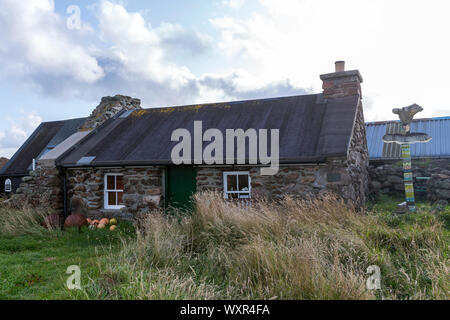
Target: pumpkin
101,226
95,222
104,221
89,220
112,228
113,221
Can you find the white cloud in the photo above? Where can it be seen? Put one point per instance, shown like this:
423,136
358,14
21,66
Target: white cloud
19,130
140,63
398,46
125,55
35,40
242,85
137,46
235,4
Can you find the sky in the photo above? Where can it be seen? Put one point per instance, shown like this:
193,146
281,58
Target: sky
184,52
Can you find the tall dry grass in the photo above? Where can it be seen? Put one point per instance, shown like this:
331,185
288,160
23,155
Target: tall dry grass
292,249
21,221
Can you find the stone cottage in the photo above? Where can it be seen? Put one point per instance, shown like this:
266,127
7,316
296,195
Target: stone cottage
119,161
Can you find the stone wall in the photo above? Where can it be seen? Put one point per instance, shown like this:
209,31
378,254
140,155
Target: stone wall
386,177
302,181
358,161
143,191
41,189
144,187
439,187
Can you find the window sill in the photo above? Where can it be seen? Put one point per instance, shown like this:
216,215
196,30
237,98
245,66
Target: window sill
113,209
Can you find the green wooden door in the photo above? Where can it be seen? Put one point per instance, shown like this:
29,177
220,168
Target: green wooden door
181,185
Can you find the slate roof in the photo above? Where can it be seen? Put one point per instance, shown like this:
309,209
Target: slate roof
46,136
437,128
311,129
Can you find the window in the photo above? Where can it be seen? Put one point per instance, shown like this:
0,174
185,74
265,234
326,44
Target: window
113,191
236,185
8,185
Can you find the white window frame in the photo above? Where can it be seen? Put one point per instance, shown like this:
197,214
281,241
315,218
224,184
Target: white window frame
8,182
235,173
106,190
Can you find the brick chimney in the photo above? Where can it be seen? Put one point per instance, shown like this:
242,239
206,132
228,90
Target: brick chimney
108,108
341,83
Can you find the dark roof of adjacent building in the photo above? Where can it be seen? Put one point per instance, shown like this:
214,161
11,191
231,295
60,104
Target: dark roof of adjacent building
43,139
311,129
437,128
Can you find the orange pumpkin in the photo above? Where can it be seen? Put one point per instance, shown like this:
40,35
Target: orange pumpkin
104,221
89,220
112,228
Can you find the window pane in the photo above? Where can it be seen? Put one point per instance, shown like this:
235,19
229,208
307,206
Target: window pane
110,182
120,198
232,183
244,195
243,182
119,182
112,199
8,185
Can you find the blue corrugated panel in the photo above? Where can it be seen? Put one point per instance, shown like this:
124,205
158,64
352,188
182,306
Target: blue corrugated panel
375,145
437,128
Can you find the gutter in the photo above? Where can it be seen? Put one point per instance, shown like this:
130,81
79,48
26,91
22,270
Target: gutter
123,163
413,158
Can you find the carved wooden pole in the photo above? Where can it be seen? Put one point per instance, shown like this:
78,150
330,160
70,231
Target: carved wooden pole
405,139
408,177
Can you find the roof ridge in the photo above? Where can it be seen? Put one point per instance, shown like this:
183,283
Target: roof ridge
64,120
233,102
414,120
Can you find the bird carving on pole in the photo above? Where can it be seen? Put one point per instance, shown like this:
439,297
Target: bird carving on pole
407,114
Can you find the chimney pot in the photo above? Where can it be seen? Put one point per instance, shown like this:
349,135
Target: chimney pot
340,66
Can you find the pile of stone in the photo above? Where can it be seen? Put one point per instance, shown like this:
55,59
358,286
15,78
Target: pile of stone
108,107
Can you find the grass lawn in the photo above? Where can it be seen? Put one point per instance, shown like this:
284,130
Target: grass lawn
289,250
33,266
